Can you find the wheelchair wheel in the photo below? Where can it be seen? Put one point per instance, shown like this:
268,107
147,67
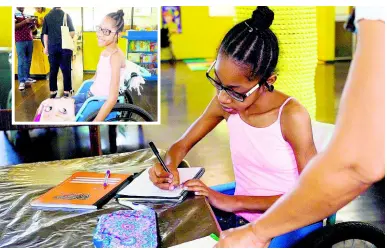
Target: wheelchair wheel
128,99
344,235
128,112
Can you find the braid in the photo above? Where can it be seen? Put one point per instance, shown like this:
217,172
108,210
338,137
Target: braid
252,43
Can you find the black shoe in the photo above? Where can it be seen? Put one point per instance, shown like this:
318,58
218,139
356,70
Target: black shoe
53,95
68,93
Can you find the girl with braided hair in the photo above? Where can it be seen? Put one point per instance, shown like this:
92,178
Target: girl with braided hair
111,66
270,133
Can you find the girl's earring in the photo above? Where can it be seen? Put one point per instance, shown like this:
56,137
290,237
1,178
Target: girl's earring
270,88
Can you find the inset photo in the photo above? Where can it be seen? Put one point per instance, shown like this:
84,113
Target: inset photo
85,64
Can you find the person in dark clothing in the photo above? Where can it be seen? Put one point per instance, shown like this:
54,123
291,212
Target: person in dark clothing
57,56
166,43
350,23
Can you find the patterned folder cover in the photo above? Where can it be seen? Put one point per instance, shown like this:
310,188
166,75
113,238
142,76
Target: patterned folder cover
126,228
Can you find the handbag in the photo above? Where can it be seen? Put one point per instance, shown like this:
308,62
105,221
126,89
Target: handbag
67,40
56,110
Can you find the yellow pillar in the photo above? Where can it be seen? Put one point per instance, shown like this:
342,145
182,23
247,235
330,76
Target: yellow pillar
326,33
295,28
6,26
325,93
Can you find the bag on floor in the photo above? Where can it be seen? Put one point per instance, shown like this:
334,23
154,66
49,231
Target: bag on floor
126,229
56,110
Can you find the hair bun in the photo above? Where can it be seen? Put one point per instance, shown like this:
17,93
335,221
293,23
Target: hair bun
262,17
120,13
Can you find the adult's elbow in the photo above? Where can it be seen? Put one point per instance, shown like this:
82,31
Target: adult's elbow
371,171
367,168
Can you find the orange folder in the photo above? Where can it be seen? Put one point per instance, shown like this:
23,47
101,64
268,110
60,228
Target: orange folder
83,190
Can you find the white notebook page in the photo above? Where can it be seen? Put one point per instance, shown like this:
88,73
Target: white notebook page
142,185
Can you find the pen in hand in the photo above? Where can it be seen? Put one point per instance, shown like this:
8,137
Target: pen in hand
156,152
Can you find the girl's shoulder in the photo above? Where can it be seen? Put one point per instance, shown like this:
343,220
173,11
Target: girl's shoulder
294,115
293,109
119,55
104,53
116,54
118,58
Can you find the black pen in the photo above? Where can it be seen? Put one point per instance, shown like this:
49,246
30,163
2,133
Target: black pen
156,152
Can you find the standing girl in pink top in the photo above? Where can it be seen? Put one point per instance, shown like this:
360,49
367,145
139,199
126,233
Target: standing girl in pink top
111,66
270,133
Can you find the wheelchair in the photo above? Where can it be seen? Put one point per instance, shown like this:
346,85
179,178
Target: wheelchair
341,235
123,111
330,235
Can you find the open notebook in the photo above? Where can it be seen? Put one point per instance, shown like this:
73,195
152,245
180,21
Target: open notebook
142,189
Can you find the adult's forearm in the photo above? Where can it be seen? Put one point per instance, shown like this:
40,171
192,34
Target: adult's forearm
322,190
21,24
355,157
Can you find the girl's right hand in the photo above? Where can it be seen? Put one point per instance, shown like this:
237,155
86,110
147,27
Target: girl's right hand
163,179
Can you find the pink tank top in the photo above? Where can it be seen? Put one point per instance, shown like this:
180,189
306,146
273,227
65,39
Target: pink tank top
101,85
264,163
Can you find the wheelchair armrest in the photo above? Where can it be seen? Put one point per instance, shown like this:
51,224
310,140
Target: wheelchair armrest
85,86
226,187
88,101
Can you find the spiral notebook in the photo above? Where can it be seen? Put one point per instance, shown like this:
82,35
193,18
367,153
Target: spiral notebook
142,189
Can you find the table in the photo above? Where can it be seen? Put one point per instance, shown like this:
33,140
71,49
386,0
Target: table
94,131
23,226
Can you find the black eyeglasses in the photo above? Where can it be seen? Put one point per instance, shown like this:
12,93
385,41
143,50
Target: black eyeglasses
219,86
105,32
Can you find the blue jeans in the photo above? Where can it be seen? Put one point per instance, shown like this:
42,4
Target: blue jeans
24,53
227,220
80,99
